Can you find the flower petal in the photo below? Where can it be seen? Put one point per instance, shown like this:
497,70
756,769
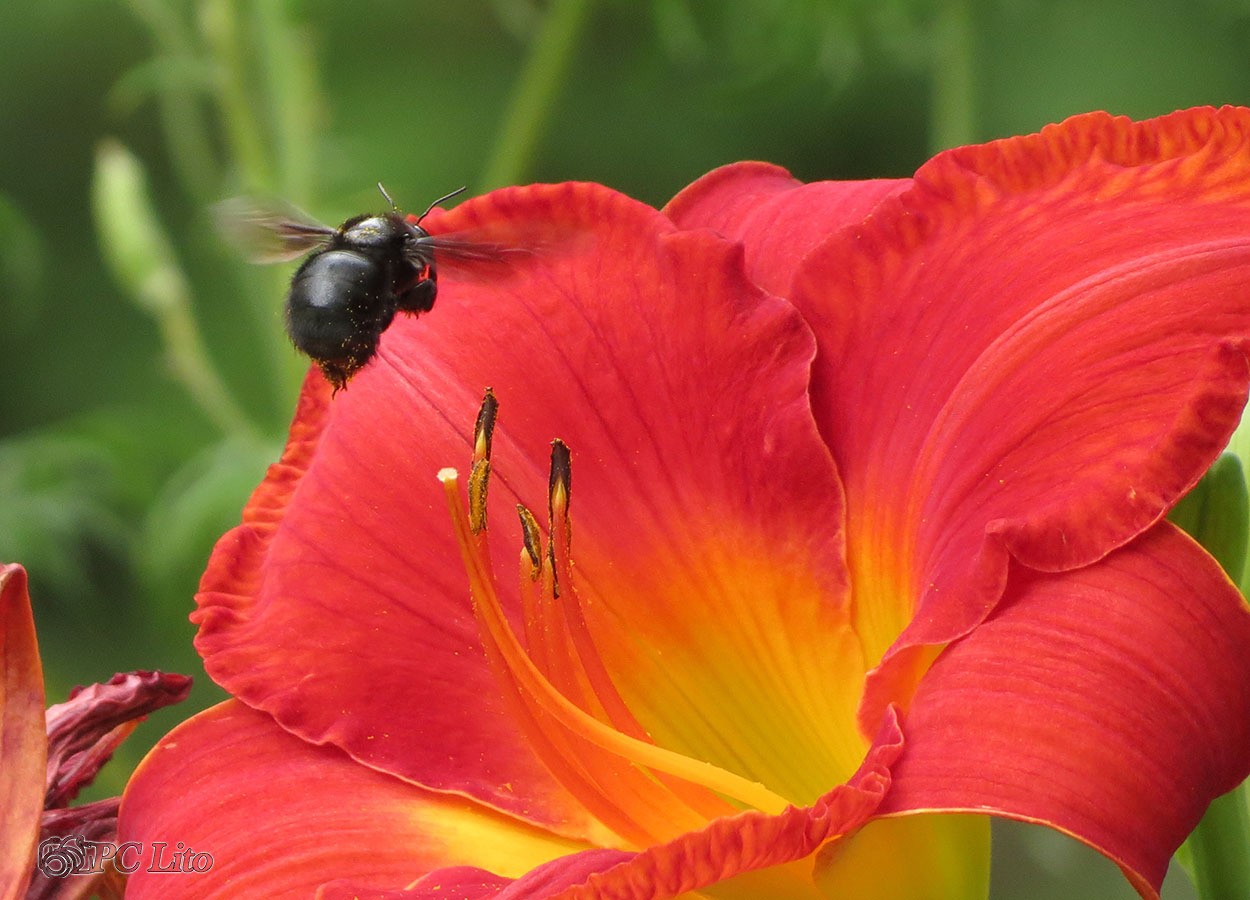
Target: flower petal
85,730
779,218
717,606
1111,686
616,342
273,816
82,735
748,855
469,883
292,601
23,741
1033,352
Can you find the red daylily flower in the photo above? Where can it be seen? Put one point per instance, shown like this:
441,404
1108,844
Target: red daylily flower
870,480
46,758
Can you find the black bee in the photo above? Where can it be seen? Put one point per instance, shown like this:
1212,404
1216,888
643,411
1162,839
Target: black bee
356,277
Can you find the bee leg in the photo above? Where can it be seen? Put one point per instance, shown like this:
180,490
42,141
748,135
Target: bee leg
420,297
336,372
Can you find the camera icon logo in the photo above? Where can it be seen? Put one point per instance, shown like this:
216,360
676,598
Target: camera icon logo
62,856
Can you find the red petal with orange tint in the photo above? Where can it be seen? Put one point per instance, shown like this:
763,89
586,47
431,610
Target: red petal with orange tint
23,741
468,883
779,218
459,883
1088,700
1051,323
1034,352
341,607
325,623
764,856
265,814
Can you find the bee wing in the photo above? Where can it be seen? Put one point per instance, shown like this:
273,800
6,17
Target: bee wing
466,249
491,251
269,232
471,256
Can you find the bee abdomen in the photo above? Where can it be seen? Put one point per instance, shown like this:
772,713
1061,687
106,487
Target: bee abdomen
340,302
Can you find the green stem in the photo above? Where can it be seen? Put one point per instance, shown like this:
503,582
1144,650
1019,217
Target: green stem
181,110
953,121
189,361
291,91
539,84
136,246
243,129
1219,848
189,146
255,152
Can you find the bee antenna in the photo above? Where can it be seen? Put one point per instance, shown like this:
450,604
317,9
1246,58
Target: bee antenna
428,209
388,197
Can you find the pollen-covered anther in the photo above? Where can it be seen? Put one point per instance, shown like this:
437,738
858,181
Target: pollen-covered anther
532,539
484,429
479,481
559,489
560,482
479,475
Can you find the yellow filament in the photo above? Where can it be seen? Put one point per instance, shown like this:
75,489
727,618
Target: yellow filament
481,581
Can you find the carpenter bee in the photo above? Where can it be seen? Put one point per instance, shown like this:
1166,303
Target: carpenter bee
354,279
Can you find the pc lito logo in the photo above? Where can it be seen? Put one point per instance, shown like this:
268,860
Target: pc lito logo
61,857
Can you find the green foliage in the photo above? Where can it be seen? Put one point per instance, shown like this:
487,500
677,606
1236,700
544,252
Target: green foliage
1216,513
59,515
195,506
23,257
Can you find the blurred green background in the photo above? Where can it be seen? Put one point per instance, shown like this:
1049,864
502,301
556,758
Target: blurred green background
147,380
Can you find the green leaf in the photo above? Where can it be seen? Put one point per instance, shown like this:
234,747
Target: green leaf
198,504
142,257
22,262
57,514
1215,513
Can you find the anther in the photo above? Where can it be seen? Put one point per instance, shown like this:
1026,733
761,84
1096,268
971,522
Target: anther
560,482
558,488
479,475
532,539
484,429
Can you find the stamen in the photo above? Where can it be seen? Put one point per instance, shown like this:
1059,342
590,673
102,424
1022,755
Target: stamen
563,645
560,481
546,636
536,686
559,555
602,689
553,741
